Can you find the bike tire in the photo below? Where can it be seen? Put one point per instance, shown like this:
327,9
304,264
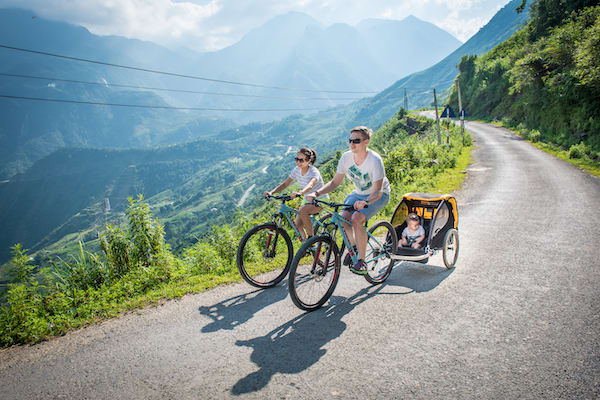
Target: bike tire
314,273
264,255
380,249
451,247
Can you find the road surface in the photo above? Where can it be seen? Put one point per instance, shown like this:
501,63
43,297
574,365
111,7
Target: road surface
519,316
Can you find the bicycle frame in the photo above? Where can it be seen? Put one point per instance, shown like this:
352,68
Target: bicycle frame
338,220
287,212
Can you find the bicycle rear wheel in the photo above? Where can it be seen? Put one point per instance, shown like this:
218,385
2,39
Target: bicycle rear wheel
380,247
314,273
264,255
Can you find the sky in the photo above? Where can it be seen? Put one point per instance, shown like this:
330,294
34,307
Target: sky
208,25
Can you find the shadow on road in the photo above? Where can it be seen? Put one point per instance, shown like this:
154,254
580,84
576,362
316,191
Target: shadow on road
234,311
417,277
297,344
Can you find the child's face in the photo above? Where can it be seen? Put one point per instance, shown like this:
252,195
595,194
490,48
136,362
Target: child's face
412,224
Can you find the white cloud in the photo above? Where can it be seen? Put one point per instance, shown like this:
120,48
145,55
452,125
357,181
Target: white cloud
161,21
213,24
459,26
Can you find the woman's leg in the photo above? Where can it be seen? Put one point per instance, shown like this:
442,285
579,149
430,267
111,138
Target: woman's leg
303,219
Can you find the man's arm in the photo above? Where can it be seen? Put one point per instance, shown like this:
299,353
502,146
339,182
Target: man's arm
331,185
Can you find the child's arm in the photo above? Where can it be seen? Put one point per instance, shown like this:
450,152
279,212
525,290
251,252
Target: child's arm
279,188
419,239
403,241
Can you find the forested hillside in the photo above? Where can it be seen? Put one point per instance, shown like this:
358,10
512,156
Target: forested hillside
544,80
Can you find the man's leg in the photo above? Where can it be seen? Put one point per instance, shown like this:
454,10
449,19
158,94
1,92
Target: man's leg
360,235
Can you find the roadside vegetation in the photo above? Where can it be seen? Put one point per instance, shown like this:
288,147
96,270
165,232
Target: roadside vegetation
543,82
136,267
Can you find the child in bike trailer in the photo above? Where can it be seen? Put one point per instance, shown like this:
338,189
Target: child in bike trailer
309,178
413,234
364,167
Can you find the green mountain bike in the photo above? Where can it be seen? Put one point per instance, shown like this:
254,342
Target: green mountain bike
315,269
265,252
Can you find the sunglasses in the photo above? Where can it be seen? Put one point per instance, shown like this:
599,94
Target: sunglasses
413,218
356,141
300,159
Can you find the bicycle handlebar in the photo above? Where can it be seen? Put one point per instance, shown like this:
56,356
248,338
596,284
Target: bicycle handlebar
283,197
335,205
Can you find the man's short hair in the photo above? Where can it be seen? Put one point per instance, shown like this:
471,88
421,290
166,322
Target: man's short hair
366,132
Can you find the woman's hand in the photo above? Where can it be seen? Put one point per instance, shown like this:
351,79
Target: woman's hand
267,194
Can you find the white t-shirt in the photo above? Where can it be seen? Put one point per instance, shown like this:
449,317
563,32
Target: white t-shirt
303,180
413,236
366,174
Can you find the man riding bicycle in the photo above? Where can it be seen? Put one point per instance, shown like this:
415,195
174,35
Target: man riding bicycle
364,167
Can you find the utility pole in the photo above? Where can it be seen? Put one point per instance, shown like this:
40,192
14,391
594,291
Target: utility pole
462,114
405,101
437,119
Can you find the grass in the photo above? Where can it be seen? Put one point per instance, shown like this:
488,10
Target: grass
451,179
590,166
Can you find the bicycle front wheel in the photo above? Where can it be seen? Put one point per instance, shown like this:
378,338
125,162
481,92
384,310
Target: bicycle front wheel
264,255
380,248
314,273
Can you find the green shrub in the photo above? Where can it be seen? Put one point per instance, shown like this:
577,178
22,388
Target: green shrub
22,320
535,135
83,272
202,258
20,268
144,234
142,245
115,248
578,151
224,241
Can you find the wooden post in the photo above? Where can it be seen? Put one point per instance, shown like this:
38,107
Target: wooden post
437,119
462,114
405,101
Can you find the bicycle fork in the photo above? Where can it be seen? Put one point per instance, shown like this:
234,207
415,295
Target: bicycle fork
319,267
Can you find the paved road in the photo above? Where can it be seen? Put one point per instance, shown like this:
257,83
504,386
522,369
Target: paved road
519,317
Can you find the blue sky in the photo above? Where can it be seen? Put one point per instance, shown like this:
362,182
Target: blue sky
213,24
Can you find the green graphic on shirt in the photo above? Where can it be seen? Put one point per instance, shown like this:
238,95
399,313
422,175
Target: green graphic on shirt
360,181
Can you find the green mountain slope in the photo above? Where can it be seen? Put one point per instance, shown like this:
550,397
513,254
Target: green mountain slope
546,77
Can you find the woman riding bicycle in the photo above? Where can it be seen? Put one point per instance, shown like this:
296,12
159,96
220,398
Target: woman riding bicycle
309,178
364,167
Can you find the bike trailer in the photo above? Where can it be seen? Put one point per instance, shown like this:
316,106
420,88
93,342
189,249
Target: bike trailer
439,218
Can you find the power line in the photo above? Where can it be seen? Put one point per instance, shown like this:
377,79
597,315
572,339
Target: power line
179,75
154,107
106,84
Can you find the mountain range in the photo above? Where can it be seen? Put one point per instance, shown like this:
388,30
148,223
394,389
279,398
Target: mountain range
290,51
